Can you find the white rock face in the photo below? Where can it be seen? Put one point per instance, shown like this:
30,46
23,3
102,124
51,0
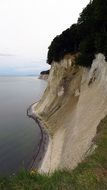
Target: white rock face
61,91
43,77
72,106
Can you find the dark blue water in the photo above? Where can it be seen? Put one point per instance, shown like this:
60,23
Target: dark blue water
19,135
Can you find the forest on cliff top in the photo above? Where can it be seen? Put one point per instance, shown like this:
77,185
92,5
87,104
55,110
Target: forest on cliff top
87,37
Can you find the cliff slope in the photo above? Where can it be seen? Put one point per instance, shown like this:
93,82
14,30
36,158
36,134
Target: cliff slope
71,108
44,75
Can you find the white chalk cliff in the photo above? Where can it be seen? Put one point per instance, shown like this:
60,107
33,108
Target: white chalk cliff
43,76
71,108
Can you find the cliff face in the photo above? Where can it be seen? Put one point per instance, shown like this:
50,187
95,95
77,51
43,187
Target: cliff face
43,76
71,108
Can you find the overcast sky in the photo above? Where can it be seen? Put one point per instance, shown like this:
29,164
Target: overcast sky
27,28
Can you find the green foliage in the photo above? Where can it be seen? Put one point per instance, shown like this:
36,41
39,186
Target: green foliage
45,72
88,36
65,43
91,174
101,42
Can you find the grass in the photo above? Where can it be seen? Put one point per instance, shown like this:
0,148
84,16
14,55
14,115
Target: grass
91,174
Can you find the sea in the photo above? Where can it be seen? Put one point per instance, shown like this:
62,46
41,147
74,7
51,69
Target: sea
19,135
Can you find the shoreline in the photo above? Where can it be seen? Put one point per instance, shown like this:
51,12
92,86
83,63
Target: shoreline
44,140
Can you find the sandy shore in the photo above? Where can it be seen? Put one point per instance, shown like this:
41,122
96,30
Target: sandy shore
43,144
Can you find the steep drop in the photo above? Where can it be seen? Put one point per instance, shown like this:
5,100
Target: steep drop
71,108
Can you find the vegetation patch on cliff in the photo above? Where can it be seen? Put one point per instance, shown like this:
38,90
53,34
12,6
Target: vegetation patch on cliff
88,36
91,174
45,72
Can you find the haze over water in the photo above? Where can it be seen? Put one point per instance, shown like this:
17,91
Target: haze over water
19,135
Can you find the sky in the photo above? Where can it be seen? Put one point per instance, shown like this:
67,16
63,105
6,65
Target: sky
27,28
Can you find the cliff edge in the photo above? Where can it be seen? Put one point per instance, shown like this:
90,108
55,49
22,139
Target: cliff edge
44,75
71,108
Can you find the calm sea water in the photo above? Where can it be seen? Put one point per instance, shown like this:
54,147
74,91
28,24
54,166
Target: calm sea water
19,135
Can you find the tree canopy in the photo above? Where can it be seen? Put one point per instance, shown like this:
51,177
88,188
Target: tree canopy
88,36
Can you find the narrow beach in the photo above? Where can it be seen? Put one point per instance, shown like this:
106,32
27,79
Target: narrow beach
44,140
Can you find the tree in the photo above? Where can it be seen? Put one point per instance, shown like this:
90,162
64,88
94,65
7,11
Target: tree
87,37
